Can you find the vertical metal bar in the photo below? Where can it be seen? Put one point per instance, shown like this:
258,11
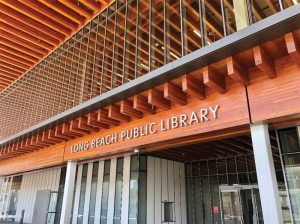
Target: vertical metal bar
202,18
281,5
136,38
150,35
249,9
223,17
94,58
114,45
236,171
77,73
220,194
125,43
86,62
182,27
166,31
202,195
210,193
284,177
104,52
247,168
226,168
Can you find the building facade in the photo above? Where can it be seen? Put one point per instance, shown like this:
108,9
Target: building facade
171,111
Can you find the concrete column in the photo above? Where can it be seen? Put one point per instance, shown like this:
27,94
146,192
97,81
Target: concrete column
240,14
66,209
1,181
266,177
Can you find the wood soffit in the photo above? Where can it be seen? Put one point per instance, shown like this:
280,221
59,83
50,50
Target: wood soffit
31,30
216,77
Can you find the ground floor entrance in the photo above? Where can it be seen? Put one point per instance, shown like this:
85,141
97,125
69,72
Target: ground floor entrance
209,182
240,204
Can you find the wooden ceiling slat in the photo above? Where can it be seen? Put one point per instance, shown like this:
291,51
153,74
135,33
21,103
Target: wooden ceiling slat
16,58
7,75
18,53
37,16
76,8
12,67
93,5
14,62
57,6
24,36
49,12
29,23
23,46
9,72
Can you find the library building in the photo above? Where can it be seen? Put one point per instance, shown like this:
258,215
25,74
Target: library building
150,112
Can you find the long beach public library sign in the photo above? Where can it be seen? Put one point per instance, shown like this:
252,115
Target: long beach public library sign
202,115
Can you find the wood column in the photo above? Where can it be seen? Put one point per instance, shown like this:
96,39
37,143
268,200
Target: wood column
240,14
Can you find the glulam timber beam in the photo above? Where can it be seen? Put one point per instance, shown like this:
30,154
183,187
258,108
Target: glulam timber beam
237,71
36,5
83,125
74,127
174,94
126,108
66,130
92,120
96,6
59,7
156,98
114,113
193,87
141,103
214,80
59,133
102,117
264,62
37,16
293,47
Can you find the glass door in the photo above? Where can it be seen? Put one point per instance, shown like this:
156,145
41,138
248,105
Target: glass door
231,206
240,205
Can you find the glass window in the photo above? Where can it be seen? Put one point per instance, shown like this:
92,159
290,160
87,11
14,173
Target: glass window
289,141
138,190
93,192
118,191
105,188
14,196
82,194
292,169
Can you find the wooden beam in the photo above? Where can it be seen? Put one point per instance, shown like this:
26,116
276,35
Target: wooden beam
175,94
74,127
92,4
103,118
76,8
293,47
83,124
214,79
36,5
264,62
192,87
156,98
236,71
14,4
126,108
92,120
140,103
57,6
114,113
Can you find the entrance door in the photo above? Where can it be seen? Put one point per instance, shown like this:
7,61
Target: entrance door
240,205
